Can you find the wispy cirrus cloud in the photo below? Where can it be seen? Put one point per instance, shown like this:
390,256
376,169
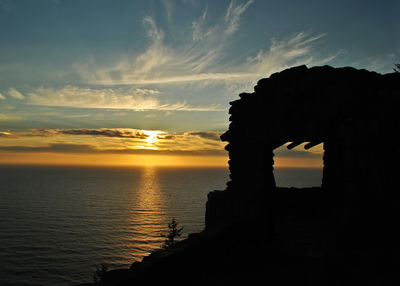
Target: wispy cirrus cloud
107,98
197,58
169,6
202,55
15,94
182,79
232,16
295,50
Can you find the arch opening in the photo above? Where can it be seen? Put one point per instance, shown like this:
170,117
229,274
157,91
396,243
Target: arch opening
297,166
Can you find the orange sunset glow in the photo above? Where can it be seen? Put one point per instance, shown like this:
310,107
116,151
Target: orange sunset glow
112,160
133,147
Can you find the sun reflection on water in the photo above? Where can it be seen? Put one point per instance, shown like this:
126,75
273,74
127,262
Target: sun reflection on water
148,218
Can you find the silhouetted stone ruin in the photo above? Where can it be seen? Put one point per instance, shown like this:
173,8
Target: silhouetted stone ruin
355,114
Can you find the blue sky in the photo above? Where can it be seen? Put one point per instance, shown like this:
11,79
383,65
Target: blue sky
171,65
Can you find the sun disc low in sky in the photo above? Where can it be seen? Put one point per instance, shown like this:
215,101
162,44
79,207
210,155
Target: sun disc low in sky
152,136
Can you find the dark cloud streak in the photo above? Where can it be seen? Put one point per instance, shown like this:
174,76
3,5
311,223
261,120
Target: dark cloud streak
205,134
103,132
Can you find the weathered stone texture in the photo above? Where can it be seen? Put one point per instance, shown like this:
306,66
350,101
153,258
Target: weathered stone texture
355,113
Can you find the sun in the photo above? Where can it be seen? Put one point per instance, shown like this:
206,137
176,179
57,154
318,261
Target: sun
152,136
151,139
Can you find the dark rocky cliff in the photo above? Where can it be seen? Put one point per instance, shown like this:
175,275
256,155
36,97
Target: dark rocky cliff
343,232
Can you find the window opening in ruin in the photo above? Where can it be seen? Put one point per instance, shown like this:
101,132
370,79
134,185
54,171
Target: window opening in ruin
298,167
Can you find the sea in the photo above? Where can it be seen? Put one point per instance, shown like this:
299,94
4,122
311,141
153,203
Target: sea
58,224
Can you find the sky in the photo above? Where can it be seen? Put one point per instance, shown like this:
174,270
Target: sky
100,82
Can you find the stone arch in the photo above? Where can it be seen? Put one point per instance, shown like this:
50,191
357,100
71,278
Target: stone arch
353,112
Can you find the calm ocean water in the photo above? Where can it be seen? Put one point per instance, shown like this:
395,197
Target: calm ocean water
58,223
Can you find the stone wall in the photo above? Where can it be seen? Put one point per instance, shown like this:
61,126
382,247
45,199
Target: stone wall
353,112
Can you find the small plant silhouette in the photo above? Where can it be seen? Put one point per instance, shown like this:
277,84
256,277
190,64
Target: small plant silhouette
173,233
99,273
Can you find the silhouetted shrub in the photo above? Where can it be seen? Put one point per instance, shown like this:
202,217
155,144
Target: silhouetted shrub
396,68
173,233
99,273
